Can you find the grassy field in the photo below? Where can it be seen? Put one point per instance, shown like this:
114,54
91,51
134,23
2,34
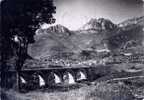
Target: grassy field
130,89
120,84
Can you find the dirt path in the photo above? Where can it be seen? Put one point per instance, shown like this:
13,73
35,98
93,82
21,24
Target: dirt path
124,78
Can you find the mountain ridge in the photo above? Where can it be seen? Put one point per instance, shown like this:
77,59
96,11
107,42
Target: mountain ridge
58,38
100,24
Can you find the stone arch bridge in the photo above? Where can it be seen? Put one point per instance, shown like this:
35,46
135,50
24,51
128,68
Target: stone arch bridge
31,79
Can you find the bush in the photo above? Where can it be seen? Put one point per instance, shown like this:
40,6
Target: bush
111,91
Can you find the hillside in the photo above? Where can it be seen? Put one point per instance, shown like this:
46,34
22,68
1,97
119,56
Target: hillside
60,39
130,31
95,37
52,40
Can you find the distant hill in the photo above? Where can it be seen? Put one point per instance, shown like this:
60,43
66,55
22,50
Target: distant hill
95,35
129,30
60,39
132,21
52,40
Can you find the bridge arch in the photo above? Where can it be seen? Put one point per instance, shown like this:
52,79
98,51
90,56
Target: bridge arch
23,80
54,78
39,78
81,75
41,81
69,77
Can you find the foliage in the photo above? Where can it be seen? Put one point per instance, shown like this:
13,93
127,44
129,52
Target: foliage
20,19
23,16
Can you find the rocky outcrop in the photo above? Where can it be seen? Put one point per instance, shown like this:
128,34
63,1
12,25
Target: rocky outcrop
100,24
58,28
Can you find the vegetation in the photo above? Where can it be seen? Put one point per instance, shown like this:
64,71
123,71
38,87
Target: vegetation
100,91
20,19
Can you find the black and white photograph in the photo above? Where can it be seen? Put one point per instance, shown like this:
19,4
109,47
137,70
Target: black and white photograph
72,49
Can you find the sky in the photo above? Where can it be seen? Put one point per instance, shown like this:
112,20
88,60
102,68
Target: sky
75,13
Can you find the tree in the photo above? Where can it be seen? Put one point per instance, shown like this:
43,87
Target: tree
19,20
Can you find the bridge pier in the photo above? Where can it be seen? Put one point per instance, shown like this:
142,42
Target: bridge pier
12,80
89,74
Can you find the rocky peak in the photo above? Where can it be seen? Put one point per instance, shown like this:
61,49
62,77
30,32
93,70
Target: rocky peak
99,24
58,28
